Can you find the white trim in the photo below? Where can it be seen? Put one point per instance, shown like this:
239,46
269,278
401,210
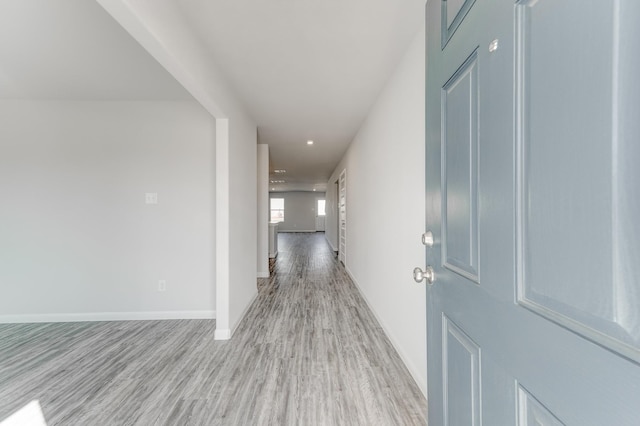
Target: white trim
298,230
420,381
342,201
224,334
107,316
263,275
244,313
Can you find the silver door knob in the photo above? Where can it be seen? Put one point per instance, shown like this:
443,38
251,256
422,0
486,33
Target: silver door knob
428,274
427,239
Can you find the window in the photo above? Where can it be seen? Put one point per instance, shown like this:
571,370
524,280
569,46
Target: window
321,204
277,210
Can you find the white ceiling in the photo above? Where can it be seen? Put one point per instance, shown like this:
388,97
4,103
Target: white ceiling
304,69
74,50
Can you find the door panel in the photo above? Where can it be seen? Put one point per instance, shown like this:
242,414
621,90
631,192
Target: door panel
532,413
460,164
461,377
569,231
554,327
452,9
453,13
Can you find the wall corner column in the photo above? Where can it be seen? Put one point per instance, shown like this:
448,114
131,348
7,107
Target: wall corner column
223,330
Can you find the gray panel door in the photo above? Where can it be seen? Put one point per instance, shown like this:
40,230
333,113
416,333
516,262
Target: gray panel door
533,196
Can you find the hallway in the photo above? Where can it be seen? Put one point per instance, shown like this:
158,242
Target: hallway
309,352
339,365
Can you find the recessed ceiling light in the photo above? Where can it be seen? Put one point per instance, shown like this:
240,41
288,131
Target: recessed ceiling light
273,189
277,181
309,142
314,189
280,171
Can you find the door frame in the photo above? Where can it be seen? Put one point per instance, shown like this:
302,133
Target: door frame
342,217
324,223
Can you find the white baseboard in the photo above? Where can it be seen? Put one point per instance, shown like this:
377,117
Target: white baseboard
107,316
329,242
244,313
226,334
263,275
420,381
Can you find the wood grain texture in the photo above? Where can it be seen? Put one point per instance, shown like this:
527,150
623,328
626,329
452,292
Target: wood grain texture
309,352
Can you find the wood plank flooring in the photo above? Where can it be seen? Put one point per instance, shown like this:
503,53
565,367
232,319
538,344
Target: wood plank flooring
309,352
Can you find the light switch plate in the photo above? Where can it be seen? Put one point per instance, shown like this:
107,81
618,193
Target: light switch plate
151,198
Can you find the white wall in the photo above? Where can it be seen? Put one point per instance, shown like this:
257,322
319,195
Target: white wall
263,211
243,208
385,209
76,236
160,28
299,210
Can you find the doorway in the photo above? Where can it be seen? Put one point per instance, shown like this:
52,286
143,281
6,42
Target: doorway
320,214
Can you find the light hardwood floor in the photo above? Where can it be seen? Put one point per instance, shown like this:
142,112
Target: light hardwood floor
309,352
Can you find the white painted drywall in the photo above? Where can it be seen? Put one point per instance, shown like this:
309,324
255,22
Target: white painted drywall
160,27
299,210
385,209
243,207
77,240
75,51
263,211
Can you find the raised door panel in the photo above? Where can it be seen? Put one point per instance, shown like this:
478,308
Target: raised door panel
577,241
461,376
460,170
453,13
531,412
